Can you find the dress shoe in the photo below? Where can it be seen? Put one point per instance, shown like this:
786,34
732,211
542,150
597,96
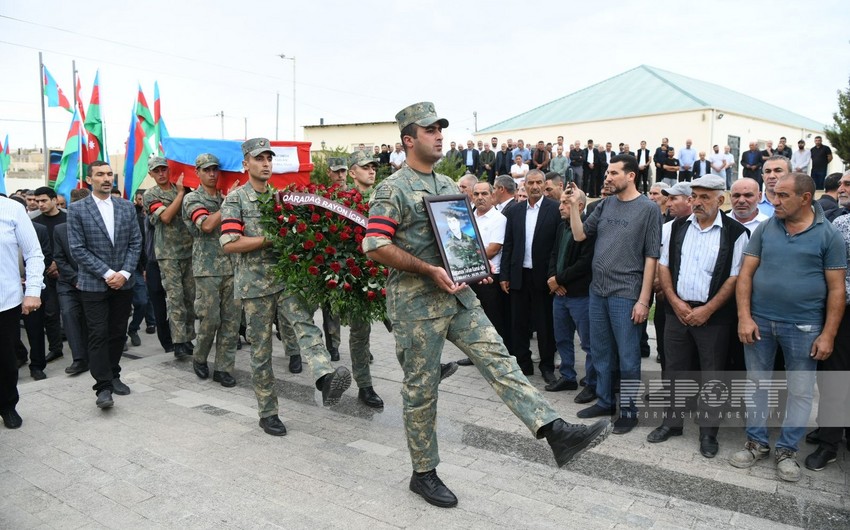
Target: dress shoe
548,376
134,338
150,330
622,425
12,420
466,361
52,356
561,384
527,369
662,434
595,411
181,351
272,425
586,395
368,396
813,437
569,441
334,354
446,370
104,399
77,367
295,364
169,349
429,486
202,370
815,461
334,384
224,378
119,388
708,445
37,374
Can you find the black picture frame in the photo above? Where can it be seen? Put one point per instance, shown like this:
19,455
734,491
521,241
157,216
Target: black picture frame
461,247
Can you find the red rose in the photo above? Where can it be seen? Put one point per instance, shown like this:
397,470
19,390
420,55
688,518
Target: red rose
347,202
330,251
346,286
358,229
311,208
370,295
373,271
358,238
370,263
329,214
344,236
315,218
320,237
301,227
332,284
386,272
355,271
333,228
335,266
311,188
292,219
293,258
383,292
277,208
309,244
283,231
313,270
350,263
319,259
289,207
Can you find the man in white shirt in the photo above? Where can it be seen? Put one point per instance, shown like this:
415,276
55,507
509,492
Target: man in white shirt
17,238
718,162
491,225
397,157
801,158
745,197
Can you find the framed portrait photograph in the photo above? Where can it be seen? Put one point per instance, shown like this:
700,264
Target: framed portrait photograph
461,247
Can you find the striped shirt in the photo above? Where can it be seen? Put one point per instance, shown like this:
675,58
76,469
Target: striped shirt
18,238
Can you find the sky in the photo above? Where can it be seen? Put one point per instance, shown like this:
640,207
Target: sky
364,61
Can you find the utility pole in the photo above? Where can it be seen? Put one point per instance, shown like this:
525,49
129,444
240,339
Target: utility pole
475,119
277,116
246,128
221,114
43,121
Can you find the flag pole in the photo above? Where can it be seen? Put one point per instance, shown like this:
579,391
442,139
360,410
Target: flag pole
74,81
43,121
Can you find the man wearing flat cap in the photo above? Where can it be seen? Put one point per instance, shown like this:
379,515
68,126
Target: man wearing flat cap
701,257
173,247
426,307
263,295
218,314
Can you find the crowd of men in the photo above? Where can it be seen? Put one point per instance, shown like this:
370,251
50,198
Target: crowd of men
561,264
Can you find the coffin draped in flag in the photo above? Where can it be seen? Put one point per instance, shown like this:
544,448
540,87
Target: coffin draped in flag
291,164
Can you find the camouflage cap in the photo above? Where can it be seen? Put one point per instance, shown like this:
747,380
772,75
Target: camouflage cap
206,160
336,163
361,159
255,146
422,114
155,162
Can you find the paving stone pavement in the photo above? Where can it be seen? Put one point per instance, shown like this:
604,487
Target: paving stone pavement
179,452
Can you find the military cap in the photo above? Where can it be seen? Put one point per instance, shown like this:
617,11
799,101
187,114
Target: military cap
422,114
361,159
336,163
206,160
709,182
680,188
155,162
255,146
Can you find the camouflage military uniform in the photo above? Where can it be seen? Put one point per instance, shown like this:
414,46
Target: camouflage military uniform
462,252
424,316
262,295
173,246
218,313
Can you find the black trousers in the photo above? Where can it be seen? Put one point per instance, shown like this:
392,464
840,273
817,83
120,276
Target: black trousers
659,322
643,180
52,323
688,350
75,323
834,405
157,297
493,301
10,333
107,314
34,326
531,309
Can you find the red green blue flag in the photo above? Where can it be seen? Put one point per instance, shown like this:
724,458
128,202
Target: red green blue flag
55,96
71,165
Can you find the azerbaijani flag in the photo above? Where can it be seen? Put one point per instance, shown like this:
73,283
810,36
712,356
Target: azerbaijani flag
71,165
292,162
144,114
5,161
159,124
136,158
78,95
55,96
96,149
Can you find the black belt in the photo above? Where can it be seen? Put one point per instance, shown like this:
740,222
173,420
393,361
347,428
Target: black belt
695,304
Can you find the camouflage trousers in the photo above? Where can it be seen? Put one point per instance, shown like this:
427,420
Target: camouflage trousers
358,344
419,346
218,320
179,285
259,313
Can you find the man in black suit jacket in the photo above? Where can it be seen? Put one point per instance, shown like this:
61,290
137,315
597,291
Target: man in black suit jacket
525,276
70,302
644,162
104,239
469,158
702,167
591,169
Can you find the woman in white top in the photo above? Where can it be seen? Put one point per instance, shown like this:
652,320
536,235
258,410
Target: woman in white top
519,170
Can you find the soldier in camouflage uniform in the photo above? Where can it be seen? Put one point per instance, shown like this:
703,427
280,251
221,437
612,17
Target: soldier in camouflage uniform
173,247
426,308
218,313
261,294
